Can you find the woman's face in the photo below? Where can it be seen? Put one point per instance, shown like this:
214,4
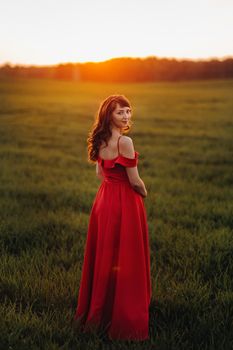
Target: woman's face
120,116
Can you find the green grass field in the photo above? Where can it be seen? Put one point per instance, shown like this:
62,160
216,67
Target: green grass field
183,133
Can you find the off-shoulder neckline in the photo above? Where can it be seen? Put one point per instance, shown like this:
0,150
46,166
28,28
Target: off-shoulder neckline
119,156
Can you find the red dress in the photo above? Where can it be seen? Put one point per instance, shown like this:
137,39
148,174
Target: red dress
115,288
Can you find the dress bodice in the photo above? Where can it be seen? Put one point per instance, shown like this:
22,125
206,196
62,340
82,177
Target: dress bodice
114,169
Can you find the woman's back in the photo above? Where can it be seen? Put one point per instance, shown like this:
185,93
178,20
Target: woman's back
114,166
112,150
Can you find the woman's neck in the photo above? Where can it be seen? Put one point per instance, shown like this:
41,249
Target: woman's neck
116,132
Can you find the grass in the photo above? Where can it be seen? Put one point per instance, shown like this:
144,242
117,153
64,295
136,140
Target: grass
183,132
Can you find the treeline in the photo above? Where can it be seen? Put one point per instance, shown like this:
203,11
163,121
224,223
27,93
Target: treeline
127,69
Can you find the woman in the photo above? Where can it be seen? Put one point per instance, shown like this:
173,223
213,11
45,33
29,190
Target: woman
115,288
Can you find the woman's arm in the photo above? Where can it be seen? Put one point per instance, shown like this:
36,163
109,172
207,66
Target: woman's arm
136,182
127,150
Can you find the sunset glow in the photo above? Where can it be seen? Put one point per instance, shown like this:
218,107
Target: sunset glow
54,31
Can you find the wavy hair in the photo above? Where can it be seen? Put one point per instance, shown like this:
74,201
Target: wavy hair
101,130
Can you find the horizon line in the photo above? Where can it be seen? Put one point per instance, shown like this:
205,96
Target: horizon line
221,58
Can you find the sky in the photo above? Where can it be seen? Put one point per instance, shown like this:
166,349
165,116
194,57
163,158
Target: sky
47,32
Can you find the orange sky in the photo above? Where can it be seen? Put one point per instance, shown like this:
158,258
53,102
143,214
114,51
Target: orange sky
54,31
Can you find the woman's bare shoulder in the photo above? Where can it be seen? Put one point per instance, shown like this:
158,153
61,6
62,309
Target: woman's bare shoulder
127,147
126,140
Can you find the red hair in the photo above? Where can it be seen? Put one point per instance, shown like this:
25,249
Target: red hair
101,130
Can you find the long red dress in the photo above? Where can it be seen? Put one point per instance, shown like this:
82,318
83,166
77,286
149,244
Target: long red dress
115,288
